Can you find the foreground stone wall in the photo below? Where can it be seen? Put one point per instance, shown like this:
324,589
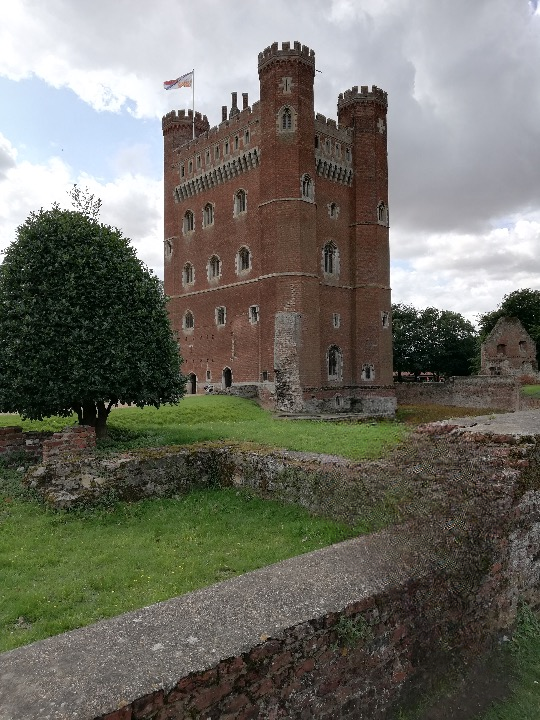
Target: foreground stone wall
347,631
476,391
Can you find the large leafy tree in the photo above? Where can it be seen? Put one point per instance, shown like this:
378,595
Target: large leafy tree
523,304
431,340
83,322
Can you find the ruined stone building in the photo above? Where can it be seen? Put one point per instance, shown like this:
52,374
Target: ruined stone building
276,243
509,350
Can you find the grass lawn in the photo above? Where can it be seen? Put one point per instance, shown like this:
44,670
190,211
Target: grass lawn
531,391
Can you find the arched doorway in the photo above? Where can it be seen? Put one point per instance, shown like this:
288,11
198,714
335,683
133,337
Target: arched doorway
227,377
192,384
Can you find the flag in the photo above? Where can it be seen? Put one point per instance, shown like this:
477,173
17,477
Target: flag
184,81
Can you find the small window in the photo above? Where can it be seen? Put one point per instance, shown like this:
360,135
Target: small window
226,147
236,142
189,221
254,314
190,166
333,210
368,372
208,215
182,170
338,400
336,320
216,152
244,260
286,119
307,187
240,202
246,137
188,321
221,315
330,255
188,274
348,154
501,349
385,319
214,267
522,346
327,145
338,150
316,142
382,214
207,157
208,375
198,162
335,363
264,375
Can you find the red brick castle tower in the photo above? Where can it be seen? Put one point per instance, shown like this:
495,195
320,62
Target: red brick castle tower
276,244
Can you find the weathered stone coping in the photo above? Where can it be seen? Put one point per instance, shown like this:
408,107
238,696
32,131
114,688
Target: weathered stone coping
88,672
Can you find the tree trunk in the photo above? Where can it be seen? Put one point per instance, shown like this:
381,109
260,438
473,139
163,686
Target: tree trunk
95,415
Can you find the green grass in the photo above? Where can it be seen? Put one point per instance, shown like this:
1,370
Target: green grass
215,418
531,391
64,570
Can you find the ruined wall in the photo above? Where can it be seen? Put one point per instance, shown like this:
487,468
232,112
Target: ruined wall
509,351
476,391
46,446
347,631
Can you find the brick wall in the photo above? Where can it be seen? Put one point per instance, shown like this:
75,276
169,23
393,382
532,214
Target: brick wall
475,391
347,631
47,446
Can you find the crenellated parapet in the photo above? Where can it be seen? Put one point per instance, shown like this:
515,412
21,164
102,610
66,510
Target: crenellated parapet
328,126
364,95
297,51
181,119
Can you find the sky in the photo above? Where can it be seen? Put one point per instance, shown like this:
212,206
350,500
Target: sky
81,101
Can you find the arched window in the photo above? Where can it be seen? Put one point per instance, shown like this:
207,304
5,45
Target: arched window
240,202
189,221
286,119
333,210
221,315
330,257
208,215
214,267
382,214
188,274
335,363
368,372
188,322
307,187
243,260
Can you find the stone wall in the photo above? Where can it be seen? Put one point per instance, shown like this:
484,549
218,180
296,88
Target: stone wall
477,391
347,631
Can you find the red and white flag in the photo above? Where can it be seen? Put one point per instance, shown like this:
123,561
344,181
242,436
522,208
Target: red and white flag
184,81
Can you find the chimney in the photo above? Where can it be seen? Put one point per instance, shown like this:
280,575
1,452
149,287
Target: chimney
234,105
223,113
244,101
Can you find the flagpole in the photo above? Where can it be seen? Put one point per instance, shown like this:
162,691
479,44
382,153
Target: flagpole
193,102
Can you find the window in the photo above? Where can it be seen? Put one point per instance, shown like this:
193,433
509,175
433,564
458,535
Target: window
190,166
246,137
335,362
168,248
243,260
208,215
188,274
207,157
236,142
286,119
240,202
216,152
338,151
208,375
265,375
182,170
188,322
336,320
330,255
198,162
501,349
214,267
368,372
338,400
522,346
333,210
226,147
327,145
189,221
385,318
316,142
221,314
254,314
307,187
348,155
382,214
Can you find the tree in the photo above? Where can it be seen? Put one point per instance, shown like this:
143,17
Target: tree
83,322
438,341
523,304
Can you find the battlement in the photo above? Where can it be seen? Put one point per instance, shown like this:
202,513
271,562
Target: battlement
364,95
274,53
328,126
181,117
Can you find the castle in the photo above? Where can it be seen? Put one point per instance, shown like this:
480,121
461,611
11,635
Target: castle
276,244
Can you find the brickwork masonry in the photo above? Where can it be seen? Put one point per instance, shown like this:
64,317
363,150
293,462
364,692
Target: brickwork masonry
47,446
347,631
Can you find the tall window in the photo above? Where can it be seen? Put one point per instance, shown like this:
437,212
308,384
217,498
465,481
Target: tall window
382,214
189,221
243,259
214,267
335,363
307,187
286,119
189,320
240,202
221,314
188,274
330,259
254,314
208,214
